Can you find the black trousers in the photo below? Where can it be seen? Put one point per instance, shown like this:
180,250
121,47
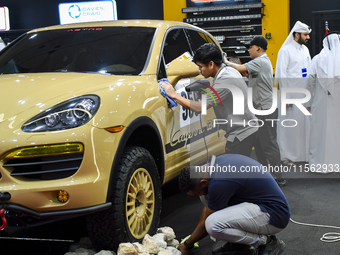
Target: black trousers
243,147
266,146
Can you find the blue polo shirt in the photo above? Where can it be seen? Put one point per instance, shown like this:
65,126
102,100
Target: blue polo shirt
237,179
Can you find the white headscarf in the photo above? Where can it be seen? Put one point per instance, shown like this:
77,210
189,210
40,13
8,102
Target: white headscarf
329,62
299,27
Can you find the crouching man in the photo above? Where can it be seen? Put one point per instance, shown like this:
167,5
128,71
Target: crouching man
244,206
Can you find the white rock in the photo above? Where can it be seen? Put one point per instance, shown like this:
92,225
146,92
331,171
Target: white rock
174,251
104,252
70,253
173,243
126,249
139,248
160,236
76,246
150,244
165,252
169,233
83,251
160,239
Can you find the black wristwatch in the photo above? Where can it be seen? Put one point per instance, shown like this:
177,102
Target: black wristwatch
188,246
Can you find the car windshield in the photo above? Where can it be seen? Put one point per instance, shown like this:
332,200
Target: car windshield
106,50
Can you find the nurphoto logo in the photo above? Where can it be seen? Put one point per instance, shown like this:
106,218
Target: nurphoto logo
238,100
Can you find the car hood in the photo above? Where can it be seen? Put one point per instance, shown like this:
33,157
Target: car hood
21,92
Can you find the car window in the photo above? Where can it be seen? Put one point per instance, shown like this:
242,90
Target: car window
176,46
107,50
197,38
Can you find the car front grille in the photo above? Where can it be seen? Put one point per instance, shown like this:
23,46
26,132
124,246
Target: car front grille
45,167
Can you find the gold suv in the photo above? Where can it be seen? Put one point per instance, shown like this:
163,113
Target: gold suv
85,129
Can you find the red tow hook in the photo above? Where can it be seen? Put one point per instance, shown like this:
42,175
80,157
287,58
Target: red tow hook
3,218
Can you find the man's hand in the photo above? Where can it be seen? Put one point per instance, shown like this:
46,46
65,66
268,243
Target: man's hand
227,62
169,89
184,249
186,103
246,74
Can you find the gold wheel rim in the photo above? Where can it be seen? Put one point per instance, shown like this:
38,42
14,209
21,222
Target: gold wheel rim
140,203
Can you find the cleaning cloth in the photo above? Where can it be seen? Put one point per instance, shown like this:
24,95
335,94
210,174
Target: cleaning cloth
171,101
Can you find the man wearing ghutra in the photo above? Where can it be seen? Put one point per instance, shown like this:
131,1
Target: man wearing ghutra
324,85
291,72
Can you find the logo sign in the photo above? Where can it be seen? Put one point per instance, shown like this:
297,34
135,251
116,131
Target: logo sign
87,12
204,97
4,18
238,100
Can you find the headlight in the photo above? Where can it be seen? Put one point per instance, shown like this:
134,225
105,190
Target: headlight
70,114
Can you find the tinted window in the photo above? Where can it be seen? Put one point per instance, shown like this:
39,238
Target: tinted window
114,50
197,38
176,44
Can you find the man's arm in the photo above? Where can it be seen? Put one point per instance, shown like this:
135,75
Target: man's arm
311,88
240,68
281,68
186,103
311,81
199,232
281,73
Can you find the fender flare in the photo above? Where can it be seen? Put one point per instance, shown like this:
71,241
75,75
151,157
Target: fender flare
134,125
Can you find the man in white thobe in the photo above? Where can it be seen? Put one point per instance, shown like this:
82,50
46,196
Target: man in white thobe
324,85
291,72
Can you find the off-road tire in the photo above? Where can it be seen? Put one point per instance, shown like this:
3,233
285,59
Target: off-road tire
136,199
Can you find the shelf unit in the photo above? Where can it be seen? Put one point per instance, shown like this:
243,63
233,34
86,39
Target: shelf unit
230,22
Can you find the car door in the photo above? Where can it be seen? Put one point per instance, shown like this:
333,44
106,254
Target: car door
188,134
214,136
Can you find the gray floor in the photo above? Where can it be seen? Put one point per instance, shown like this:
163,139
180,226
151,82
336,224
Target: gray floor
313,198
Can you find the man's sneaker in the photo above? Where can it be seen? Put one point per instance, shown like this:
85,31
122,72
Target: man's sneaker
234,249
281,182
273,246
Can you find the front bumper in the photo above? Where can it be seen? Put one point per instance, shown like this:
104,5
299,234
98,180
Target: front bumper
18,215
87,185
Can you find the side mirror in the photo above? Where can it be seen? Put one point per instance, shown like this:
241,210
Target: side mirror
179,69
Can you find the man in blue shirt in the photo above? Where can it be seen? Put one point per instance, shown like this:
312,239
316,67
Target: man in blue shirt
244,206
